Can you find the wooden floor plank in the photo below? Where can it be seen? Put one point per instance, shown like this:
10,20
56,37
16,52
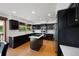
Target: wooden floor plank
48,49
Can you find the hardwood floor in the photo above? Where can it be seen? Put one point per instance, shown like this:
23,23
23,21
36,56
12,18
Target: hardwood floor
48,49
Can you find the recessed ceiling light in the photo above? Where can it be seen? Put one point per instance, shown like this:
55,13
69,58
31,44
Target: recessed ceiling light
14,12
33,12
49,14
40,18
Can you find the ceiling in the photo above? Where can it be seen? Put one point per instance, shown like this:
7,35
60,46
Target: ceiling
34,12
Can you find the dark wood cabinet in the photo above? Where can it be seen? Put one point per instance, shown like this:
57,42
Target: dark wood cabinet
13,25
68,27
62,24
18,40
50,26
62,16
37,27
71,17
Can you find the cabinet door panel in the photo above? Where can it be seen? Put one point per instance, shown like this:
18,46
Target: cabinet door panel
14,25
71,16
62,19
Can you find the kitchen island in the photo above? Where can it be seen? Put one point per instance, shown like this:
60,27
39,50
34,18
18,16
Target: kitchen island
36,41
17,40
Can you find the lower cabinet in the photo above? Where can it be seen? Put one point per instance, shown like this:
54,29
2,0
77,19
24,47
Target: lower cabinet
18,40
36,44
49,37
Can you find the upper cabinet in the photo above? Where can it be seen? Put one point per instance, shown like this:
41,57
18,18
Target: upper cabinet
50,26
37,27
16,25
62,18
22,27
13,25
43,26
77,9
71,17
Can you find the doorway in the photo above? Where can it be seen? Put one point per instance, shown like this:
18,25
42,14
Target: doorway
3,29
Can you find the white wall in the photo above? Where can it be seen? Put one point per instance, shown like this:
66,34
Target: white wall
60,6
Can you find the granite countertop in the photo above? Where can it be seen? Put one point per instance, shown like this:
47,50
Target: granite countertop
36,36
14,35
69,50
